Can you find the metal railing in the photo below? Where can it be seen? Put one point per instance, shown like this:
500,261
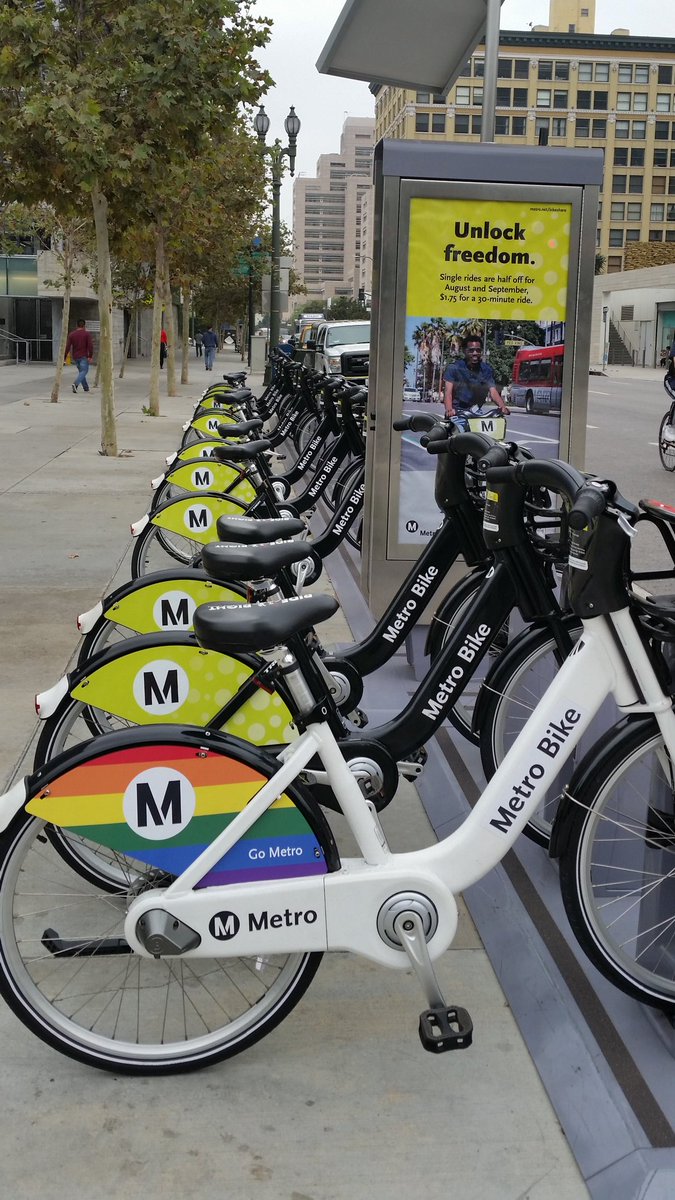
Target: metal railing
17,342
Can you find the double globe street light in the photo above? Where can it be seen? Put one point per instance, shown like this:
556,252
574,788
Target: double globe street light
276,154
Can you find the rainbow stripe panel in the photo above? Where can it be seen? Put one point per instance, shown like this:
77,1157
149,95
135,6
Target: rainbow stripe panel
164,804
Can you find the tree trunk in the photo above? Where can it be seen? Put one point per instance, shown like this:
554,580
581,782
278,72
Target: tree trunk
170,324
186,292
67,289
127,340
153,406
108,425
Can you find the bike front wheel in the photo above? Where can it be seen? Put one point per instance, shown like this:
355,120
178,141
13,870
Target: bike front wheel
68,974
617,864
666,445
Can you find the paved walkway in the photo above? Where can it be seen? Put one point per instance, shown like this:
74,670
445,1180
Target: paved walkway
341,1102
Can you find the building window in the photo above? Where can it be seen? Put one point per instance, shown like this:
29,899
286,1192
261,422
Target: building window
562,70
665,74
660,158
656,235
502,126
602,72
642,73
599,127
543,98
625,72
560,99
632,235
614,263
616,237
617,210
478,95
466,69
438,98
438,122
621,156
670,235
585,72
520,97
461,123
671,185
476,124
634,210
637,158
600,101
657,212
559,127
623,101
583,99
462,96
659,185
503,97
518,126
670,212
663,102
422,98
627,312
583,127
622,129
505,68
542,124
640,101
618,184
639,131
479,67
422,123
521,68
545,70
635,183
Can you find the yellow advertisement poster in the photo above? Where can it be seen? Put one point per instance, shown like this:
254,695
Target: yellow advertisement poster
495,259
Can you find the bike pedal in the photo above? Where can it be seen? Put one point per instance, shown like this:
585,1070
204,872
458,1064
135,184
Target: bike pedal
444,1029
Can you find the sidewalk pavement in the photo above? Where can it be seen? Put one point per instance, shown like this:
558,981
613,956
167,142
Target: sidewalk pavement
341,1102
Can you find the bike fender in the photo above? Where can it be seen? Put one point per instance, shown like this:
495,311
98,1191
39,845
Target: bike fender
48,701
138,526
12,802
87,620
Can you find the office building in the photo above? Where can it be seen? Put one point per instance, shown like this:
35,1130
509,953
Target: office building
327,218
564,85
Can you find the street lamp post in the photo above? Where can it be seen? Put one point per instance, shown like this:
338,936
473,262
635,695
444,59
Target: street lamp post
276,155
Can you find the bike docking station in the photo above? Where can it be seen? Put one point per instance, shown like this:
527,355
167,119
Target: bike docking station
486,237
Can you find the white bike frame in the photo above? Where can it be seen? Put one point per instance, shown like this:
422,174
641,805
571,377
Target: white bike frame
339,911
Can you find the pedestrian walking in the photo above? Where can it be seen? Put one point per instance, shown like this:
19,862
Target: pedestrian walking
210,342
80,347
163,348
199,344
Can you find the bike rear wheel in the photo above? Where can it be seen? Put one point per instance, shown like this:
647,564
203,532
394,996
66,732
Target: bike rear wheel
113,1009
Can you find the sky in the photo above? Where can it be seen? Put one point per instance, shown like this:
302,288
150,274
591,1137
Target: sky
302,27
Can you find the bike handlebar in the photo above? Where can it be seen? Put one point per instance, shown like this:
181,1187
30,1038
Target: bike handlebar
589,503
418,422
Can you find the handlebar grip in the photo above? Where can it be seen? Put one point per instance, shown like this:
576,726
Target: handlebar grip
506,474
437,445
589,503
496,456
401,424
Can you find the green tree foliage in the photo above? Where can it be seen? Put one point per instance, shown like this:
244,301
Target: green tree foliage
99,99
345,308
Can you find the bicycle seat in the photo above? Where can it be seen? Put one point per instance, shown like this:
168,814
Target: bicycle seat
237,378
243,427
234,397
241,452
225,561
225,627
250,532
658,509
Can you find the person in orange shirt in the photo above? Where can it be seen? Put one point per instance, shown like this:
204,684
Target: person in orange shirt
80,346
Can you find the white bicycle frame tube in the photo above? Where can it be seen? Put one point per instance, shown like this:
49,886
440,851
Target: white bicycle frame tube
339,910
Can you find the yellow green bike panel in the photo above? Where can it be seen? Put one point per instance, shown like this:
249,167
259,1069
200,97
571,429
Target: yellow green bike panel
184,684
163,607
195,518
210,477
